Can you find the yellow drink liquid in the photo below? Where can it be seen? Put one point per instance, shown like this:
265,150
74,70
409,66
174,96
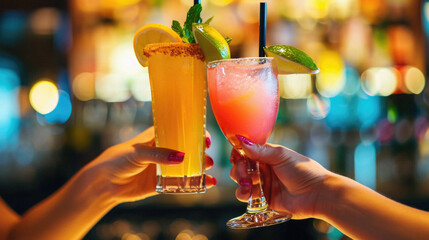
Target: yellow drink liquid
179,88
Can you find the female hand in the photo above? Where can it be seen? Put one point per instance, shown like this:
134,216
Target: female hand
130,167
291,181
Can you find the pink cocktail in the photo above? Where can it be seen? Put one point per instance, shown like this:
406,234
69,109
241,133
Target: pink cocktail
244,94
245,98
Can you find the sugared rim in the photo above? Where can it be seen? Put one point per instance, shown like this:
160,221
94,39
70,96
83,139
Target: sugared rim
174,49
217,62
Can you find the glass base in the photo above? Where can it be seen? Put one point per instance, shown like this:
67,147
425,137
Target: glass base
183,184
258,219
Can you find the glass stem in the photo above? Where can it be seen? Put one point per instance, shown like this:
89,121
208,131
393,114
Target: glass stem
257,202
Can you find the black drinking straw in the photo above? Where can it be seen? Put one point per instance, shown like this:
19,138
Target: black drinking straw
262,28
195,3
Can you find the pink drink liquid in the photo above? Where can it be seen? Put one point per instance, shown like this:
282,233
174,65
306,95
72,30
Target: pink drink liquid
245,98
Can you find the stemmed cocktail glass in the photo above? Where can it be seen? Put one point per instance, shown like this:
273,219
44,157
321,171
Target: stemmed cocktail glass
244,94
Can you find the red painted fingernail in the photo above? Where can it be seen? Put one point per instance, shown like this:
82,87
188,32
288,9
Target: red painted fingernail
176,157
208,142
211,162
244,140
245,182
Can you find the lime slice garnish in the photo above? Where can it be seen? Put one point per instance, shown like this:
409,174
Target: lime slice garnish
211,42
291,60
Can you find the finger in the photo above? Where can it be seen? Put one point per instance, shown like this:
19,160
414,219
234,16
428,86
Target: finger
208,140
143,153
235,156
268,153
210,181
243,193
239,171
209,161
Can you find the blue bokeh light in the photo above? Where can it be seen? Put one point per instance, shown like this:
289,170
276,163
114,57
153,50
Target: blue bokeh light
368,110
12,27
9,108
425,16
340,115
365,164
352,85
62,111
334,233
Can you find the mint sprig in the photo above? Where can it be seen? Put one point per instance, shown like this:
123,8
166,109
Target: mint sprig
193,16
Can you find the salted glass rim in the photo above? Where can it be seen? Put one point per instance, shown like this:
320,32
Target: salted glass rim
215,63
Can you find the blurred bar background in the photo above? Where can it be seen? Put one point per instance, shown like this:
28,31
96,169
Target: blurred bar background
365,116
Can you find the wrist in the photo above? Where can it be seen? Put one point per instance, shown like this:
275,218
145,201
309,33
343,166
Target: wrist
96,187
329,195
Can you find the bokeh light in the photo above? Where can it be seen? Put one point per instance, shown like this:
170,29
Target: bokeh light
9,107
294,86
84,86
425,12
221,3
379,81
386,81
342,9
368,81
368,110
44,96
385,131
331,79
340,115
414,80
373,10
112,88
140,87
45,21
365,164
12,27
123,59
355,41
318,106
402,44
130,236
334,233
420,127
404,130
321,226
318,8
352,85
62,111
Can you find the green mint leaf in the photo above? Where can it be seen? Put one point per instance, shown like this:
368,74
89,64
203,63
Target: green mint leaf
208,20
193,16
185,39
228,40
177,28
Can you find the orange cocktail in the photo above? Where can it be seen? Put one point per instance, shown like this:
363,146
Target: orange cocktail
179,88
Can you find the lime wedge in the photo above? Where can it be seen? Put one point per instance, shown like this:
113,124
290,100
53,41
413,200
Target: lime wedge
212,43
291,60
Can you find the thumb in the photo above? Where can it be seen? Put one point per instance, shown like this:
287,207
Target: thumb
148,154
268,153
